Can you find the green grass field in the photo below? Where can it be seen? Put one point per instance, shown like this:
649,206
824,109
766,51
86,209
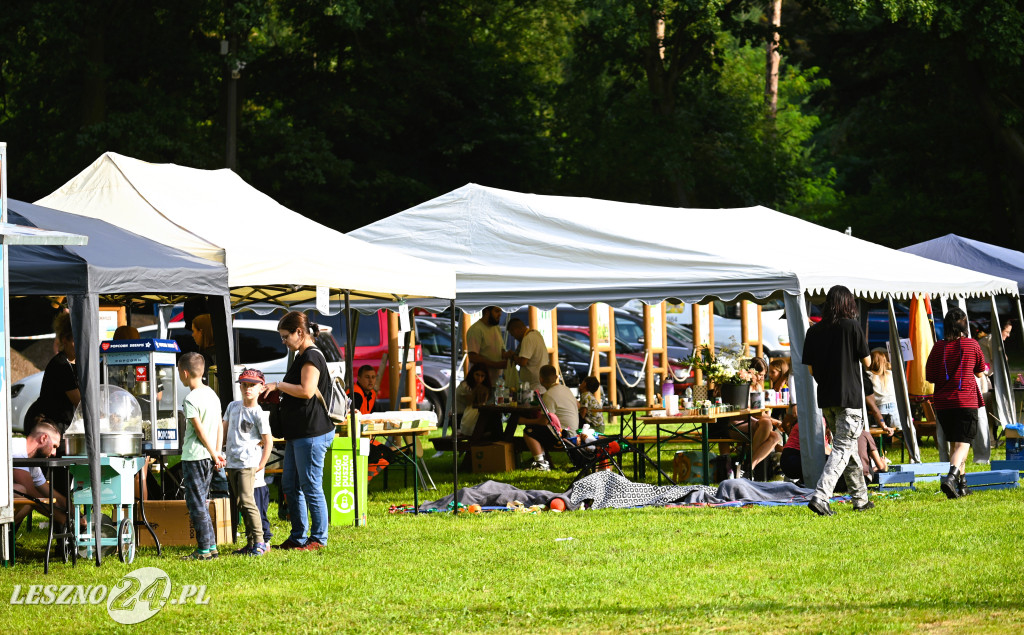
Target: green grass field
917,563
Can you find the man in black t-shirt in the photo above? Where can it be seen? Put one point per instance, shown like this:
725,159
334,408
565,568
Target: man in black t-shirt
835,350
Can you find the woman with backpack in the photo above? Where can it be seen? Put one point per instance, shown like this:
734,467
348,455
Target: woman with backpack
308,432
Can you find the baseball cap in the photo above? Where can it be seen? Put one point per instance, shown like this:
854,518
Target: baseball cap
251,376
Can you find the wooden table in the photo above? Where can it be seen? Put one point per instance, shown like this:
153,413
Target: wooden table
68,539
416,459
628,417
491,415
678,421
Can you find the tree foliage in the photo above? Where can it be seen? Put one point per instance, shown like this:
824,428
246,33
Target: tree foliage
901,118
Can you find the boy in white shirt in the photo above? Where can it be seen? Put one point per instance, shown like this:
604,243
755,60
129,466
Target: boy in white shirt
199,454
249,443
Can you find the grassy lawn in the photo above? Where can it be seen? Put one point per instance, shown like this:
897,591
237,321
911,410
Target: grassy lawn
917,563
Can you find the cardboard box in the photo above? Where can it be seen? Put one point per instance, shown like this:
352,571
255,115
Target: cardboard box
493,457
173,527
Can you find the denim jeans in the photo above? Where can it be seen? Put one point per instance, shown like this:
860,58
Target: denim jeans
262,497
846,425
196,477
303,482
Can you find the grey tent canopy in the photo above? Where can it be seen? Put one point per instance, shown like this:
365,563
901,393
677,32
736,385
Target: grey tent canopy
114,263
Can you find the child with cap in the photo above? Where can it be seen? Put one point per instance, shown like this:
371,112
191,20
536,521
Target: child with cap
249,443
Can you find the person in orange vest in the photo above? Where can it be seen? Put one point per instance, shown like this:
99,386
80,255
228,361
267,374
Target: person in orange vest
364,397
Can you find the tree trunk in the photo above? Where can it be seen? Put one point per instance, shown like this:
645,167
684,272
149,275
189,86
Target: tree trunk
771,84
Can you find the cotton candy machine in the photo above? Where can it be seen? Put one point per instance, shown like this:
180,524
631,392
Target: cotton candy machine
120,421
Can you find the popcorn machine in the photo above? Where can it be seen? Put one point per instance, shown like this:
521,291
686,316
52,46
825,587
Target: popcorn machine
146,368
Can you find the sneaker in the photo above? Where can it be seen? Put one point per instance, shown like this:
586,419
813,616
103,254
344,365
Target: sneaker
260,549
820,507
312,545
244,551
289,544
198,555
539,466
865,507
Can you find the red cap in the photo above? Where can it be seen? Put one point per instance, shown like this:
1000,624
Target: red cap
251,376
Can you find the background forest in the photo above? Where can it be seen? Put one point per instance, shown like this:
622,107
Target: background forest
899,118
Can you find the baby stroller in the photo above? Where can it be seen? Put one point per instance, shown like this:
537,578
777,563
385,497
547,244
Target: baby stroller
586,457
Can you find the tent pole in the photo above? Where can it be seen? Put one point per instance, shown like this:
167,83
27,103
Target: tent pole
900,379
450,411
353,428
85,311
1003,392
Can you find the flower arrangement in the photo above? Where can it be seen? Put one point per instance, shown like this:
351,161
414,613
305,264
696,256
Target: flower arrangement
728,367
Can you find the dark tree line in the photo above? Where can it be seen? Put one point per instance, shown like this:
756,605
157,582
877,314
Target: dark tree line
900,118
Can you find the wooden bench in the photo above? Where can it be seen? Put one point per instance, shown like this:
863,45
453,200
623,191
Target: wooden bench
894,481
1008,465
923,471
995,479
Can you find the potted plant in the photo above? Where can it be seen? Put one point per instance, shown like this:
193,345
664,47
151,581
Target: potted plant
728,371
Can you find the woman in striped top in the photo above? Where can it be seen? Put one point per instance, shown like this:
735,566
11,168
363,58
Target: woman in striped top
952,366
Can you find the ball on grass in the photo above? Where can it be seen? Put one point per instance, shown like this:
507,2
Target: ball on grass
557,505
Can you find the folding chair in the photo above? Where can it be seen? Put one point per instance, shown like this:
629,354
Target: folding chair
585,457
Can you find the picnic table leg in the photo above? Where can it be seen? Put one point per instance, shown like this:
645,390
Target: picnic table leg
658,452
704,450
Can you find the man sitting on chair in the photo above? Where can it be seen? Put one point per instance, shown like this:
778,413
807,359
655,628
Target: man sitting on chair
560,402
41,443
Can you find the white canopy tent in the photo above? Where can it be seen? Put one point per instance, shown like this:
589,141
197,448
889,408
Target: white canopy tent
272,253
511,249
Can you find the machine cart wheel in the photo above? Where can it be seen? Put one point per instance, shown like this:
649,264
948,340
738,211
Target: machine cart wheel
126,541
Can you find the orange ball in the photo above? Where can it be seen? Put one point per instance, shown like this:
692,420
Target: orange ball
474,509
557,505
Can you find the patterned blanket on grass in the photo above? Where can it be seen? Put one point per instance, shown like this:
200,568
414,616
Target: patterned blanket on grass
606,489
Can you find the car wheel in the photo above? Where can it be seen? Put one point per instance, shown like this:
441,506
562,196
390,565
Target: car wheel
436,403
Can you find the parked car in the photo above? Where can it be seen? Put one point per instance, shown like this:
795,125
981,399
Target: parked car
257,345
728,331
682,375
878,325
435,339
371,346
574,364
629,329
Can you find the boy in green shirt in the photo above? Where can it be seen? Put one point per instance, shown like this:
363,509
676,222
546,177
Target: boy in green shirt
200,454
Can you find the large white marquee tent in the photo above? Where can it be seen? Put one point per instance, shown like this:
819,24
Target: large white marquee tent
512,249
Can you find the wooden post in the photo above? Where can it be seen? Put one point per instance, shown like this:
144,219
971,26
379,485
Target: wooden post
597,348
613,370
649,353
554,340
411,378
760,333
744,345
695,309
393,369
464,328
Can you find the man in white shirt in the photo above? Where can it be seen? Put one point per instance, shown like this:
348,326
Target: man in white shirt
560,402
41,443
485,344
532,353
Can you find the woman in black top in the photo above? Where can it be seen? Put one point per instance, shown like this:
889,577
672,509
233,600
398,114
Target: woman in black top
58,394
308,432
